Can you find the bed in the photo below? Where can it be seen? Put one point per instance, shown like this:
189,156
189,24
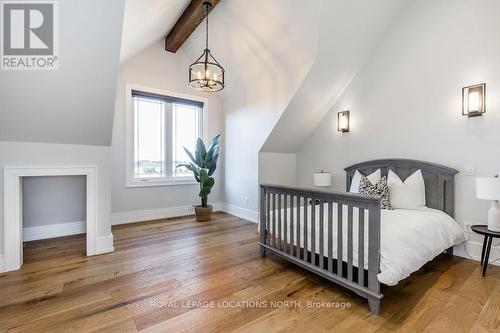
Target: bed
372,245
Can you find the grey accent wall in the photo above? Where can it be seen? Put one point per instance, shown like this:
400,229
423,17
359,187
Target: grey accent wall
53,200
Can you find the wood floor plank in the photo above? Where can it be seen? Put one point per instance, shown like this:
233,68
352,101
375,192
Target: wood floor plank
175,262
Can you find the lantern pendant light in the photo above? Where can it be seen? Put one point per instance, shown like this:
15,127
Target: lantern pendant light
206,74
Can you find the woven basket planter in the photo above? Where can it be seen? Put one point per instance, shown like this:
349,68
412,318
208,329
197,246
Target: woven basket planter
203,213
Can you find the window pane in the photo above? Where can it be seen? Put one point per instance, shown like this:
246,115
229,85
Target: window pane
149,137
185,132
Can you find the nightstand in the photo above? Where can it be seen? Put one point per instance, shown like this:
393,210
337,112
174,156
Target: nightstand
488,238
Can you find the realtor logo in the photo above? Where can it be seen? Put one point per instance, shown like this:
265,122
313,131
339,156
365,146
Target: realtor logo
29,35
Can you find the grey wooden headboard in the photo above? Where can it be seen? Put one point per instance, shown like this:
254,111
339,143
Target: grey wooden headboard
439,180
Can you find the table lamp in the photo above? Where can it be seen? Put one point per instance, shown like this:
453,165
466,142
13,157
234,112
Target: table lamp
488,188
322,179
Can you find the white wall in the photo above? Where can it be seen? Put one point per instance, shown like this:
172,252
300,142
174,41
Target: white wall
406,101
278,168
347,34
18,154
53,200
249,117
158,69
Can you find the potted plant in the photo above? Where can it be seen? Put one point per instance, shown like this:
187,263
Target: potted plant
203,164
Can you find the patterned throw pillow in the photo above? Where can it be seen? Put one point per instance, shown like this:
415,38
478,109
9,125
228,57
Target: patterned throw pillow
379,189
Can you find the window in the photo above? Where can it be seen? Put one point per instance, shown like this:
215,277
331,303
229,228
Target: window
158,127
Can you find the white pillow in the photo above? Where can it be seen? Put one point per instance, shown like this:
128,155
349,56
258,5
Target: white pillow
373,178
407,195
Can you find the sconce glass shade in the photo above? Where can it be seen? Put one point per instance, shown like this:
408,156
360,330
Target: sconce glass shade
206,74
343,121
474,100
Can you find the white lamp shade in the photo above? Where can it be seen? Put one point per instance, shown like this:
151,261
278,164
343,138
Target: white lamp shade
488,188
322,179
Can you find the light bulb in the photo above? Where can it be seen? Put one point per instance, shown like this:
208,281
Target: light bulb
474,101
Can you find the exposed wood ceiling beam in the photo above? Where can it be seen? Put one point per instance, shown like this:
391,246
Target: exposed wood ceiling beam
187,23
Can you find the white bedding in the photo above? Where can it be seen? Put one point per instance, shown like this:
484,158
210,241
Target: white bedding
409,239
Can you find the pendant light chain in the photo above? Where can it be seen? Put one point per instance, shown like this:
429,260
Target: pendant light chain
206,30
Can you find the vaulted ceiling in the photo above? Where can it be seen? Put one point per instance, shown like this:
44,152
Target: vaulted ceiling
261,39
256,41
245,36
147,22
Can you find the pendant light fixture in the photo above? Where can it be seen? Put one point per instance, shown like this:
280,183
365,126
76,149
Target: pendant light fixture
206,74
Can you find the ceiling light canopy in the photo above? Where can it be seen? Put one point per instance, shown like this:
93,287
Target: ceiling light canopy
206,74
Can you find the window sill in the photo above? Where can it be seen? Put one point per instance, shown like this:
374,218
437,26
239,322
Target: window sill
170,182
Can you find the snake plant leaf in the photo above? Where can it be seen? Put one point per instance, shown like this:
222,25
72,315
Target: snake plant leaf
207,162
203,164
203,174
207,189
214,143
200,153
206,183
191,167
190,155
185,165
213,167
195,169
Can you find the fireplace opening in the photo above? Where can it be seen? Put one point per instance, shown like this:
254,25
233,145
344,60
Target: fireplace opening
53,207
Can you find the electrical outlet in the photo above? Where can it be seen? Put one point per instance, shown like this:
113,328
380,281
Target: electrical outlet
469,169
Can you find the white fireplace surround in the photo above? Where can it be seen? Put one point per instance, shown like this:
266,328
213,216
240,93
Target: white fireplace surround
13,209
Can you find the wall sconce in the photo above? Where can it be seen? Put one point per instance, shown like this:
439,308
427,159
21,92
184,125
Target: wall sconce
343,121
474,100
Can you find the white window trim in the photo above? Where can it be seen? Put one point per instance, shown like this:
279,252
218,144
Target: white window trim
130,181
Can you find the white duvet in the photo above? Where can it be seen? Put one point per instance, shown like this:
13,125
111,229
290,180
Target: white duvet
409,239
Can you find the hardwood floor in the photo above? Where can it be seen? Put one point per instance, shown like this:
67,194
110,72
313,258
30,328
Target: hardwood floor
178,275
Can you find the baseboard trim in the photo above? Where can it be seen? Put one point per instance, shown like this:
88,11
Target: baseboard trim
156,214
2,263
472,250
163,213
54,230
244,213
104,244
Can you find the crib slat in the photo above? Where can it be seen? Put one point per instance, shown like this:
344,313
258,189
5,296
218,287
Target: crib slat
280,237
285,222
313,231
349,243
274,220
361,248
321,234
330,236
297,236
305,229
373,246
340,255
262,219
291,227
268,217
